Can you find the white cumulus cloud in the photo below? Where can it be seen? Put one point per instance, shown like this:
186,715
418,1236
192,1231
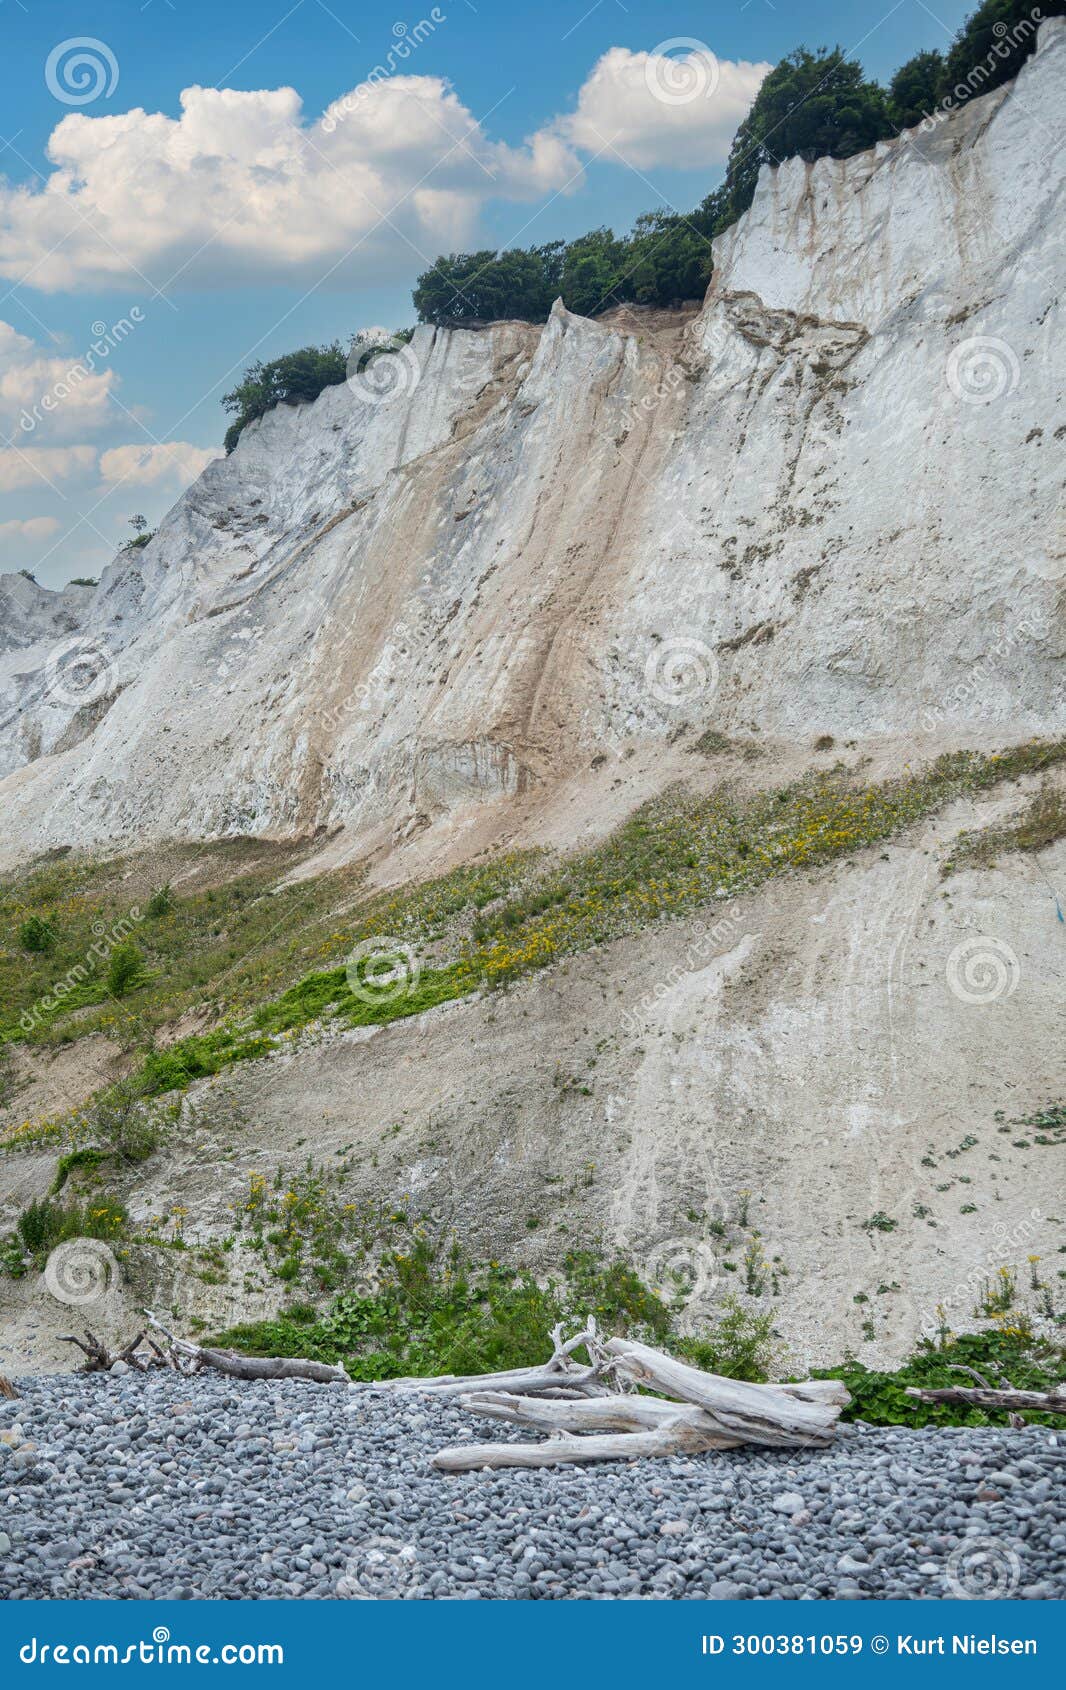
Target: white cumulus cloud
55,393
242,188
174,462
679,107
30,528
39,466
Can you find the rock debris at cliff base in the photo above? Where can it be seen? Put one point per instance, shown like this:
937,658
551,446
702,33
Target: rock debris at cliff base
121,1486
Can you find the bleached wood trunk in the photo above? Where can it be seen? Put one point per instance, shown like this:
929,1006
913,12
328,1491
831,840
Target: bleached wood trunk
677,1439
966,1396
757,1414
251,1367
596,1414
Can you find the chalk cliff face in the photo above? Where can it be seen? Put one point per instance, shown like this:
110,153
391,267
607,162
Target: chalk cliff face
830,502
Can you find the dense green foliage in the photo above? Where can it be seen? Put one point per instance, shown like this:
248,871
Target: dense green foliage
992,46
915,89
294,379
37,934
430,1312
881,1398
812,105
45,1223
666,260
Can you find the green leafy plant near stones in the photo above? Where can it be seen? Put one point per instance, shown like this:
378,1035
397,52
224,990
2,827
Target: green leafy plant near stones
430,1311
880,1396
1048,1125
44,1223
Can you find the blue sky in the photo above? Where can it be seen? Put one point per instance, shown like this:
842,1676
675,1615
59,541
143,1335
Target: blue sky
237,226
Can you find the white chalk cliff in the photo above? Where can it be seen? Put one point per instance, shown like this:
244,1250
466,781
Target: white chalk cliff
821,505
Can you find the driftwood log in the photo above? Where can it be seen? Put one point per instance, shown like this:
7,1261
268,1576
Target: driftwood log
99,1359
706,1412
983,1396
560,1375
591,1410
247,1367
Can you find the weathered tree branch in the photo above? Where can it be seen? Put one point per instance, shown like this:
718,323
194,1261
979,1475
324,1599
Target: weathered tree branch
760,1414
966,1396
251,1367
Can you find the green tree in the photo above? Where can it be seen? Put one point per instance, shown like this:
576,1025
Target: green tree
812,105
992,46
595,273
915,89
295,379
669,259
472,287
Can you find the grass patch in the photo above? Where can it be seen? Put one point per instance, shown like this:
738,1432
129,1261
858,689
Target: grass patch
881,1399
432,1312
235,946
229,947
1042,823
44,1224
330,994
